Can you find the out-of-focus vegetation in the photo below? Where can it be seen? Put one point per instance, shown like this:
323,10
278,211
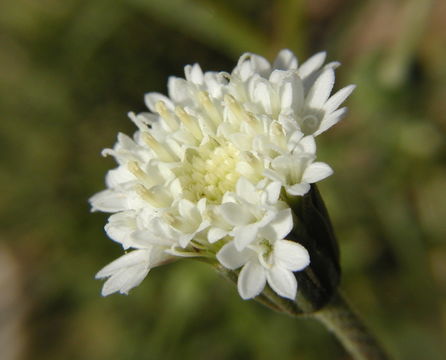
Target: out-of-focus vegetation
69,72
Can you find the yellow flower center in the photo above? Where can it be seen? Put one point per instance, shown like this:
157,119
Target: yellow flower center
209,172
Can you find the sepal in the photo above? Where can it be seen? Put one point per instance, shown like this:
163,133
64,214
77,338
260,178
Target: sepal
313,229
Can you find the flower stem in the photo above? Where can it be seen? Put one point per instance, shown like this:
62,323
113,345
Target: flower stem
336,315
340,319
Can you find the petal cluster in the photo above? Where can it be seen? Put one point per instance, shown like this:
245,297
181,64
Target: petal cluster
209,169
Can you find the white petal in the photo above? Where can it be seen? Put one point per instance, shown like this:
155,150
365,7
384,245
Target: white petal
119,234
118,176
177,251
295,136
339,113
109,201
126,272
159,256
214,84
285,60
321,89
283,282
124,280
126,261
331,119
286,95
244,70
201,206
312,64
260,65
308,144
262,95
241,141
235,214
291,255
298,189
194,74
178,90
291,92
188,210
152,98
273,192
146,238
279,227
231,258
139,120
249,64
215,234
184,239
246,190
125,142
161,229
142,120
283,163
316,172
120,227
251,280
268,216
333,65
273,175
337,99
277,76
244,235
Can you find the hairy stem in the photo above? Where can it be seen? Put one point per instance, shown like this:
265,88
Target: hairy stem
336,315
339,318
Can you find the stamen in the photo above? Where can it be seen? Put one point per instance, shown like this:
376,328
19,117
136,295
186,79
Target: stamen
209,107
189,122
156,199
236,109
265,255
251,119
278,134
156,146
277,129
136,170
167,116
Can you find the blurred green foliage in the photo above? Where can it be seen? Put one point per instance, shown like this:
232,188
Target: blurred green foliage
69,72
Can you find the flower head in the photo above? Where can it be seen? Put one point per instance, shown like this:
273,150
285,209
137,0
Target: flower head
207,172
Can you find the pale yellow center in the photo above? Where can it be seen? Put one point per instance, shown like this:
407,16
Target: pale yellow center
210,172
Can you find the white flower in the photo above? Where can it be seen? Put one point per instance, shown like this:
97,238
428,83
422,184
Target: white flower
288,91
207,170
130,269
270,259
244,213
296,170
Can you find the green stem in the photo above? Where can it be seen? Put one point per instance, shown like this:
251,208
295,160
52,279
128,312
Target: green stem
336,315
339,318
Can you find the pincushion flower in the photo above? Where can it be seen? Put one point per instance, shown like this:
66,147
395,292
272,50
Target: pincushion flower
211,166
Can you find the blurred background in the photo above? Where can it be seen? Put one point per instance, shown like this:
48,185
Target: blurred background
70,71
